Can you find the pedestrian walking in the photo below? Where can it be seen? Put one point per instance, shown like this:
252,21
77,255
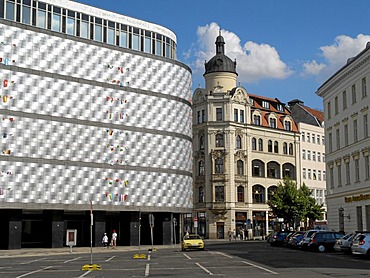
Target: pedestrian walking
114,240
105,240
230,234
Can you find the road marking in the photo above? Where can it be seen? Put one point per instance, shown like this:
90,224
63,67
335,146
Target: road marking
32,272
83,275
187,257
223,254
33,261
72,260
205,269
111,258
260,267
147,270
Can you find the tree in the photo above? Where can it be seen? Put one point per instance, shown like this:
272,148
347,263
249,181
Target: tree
294,204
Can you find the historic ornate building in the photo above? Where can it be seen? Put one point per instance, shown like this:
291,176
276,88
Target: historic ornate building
244,145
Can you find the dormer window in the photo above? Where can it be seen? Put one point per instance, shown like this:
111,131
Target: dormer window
280,107
257,119
272,122
287,125
265,104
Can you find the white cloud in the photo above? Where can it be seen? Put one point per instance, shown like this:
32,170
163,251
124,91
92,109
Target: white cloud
337,54
254,61
312,68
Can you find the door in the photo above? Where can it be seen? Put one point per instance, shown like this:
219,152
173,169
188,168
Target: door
220,230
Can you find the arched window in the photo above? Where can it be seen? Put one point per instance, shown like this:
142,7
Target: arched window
258,168
240,196
269,146
289,171
254,144
260,145
258,194
219,165
290,149
201,142
219,140
201,168
240,167
273,170
238,142
285,148
271,191
276,147
257,120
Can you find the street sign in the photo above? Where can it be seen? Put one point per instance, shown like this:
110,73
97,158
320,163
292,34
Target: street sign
151,220
195,219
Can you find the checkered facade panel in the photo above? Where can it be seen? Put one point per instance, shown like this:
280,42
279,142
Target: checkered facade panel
59,122
58,184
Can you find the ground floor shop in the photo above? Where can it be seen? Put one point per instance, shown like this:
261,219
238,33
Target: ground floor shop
349,213
250,224
47,228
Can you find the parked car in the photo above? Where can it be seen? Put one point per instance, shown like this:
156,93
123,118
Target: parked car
361,244
323,240
306,239
344,244
287,238
295,239
277,238
192,241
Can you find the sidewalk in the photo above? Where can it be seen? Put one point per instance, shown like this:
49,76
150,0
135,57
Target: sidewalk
29,252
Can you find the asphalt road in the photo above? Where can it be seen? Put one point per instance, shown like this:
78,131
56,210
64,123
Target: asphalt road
221,258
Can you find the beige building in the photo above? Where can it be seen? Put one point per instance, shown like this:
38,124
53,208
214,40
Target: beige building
244,145
312,151
346,103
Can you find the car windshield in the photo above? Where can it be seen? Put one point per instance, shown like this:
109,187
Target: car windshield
192,237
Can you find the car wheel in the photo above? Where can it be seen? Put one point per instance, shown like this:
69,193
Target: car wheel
321,248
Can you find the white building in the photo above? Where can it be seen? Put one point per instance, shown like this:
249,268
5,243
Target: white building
95,110
346,102
244,145
312,149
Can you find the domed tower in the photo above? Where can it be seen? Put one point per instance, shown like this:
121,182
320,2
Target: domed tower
220,70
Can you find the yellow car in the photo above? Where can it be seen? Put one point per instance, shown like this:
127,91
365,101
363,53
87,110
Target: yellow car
192,241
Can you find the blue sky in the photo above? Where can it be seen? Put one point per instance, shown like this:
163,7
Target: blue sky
284,49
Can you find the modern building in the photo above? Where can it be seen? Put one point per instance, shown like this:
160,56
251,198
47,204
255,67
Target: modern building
346,104
95,117
312,151
244,145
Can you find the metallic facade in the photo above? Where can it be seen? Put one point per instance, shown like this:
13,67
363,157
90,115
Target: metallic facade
83,121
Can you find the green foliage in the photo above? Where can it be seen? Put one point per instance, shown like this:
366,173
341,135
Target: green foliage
292,203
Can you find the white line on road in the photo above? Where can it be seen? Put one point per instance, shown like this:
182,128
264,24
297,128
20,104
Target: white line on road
83,275
147,270
72,260
205,269
111,258
187,257
32,272
33,261
260,267
223,254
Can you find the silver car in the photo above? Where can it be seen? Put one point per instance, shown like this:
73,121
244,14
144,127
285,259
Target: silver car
361,244
344,244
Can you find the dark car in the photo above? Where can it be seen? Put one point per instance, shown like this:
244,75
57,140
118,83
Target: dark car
287,238
277,238
295,239
323,240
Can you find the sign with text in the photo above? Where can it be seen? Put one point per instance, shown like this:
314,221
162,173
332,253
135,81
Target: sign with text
71,238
